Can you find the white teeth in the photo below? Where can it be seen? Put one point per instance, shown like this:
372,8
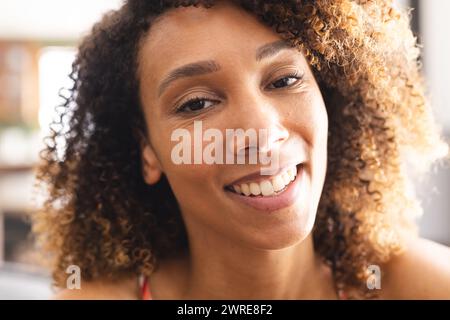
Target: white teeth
278,183
285,177
254,188
292,173
269,186
266,188
245,189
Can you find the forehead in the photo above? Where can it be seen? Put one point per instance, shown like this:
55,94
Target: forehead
187,34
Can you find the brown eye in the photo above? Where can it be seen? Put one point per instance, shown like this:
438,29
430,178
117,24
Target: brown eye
284,82
196,104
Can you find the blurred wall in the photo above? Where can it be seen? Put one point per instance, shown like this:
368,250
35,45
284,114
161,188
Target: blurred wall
434,27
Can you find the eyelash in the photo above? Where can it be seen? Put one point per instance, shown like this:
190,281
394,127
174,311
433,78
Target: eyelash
182,108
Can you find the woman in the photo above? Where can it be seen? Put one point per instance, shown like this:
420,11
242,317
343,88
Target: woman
336,85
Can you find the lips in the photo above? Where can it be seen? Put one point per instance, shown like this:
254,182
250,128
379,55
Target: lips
269,193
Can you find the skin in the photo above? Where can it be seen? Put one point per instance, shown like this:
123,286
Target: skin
234,250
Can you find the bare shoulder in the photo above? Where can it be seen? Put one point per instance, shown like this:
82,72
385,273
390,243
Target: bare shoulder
123,289
421,272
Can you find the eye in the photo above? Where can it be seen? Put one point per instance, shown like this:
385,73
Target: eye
285,81
196,104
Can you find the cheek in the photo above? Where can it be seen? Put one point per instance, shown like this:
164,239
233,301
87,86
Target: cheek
311,123
321,122
194,187
309,118
320,128
197,189
319,150
189,182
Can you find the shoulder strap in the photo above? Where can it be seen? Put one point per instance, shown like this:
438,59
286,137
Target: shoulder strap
145,290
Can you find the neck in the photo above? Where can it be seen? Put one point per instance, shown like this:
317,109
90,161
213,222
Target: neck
220,269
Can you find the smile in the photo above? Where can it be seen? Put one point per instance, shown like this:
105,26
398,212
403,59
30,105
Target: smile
267,187
269,193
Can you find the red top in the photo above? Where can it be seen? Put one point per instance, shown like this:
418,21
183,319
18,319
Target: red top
145,289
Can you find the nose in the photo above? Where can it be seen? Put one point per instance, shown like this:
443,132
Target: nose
258,114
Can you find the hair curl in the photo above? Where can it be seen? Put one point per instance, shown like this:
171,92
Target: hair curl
100,215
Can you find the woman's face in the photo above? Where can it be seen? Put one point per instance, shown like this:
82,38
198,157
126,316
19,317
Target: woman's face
245,78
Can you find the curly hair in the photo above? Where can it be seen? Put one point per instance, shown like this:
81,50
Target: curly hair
100,214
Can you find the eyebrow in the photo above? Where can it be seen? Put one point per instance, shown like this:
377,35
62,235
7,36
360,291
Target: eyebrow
210,66
271,49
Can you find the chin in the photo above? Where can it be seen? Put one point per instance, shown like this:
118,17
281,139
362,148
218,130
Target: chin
284,236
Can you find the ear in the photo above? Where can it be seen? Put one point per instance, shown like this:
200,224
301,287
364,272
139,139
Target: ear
151,167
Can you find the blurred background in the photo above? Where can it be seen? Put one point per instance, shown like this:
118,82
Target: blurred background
38,42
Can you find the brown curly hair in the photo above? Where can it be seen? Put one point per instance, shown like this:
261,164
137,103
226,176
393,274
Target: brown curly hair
100,214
